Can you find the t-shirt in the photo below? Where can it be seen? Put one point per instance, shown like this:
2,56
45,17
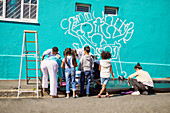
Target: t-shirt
69,60
49,53
86,63
105,68
143,76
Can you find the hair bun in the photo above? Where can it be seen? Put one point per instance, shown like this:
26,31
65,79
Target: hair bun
138,64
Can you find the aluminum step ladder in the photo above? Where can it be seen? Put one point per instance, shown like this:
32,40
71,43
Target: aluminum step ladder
34,54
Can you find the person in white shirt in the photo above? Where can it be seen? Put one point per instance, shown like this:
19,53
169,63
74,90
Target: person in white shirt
50,66
105,69
143,82
50,52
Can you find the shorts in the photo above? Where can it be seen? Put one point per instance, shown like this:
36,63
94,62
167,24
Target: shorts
104,80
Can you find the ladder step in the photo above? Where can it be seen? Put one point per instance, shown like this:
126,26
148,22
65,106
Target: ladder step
29,51
26,31
33,69
30,41
29,54
28,91
33,77
32,60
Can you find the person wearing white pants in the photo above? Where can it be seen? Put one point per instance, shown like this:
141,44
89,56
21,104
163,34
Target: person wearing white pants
50,67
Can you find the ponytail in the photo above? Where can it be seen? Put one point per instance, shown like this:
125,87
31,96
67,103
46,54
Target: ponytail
73,54
138,66
66,52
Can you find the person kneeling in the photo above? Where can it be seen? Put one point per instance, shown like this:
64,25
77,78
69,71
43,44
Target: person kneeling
143,82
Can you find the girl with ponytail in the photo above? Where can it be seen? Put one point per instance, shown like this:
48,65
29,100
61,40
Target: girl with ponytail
70,64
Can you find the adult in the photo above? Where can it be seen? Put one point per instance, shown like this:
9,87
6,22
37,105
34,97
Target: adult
50,52
143,82
50,66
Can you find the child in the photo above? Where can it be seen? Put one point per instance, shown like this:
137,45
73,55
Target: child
70,65
86,65
105,68
143,83
96,72
59,76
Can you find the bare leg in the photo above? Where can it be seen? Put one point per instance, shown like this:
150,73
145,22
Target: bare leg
68,95
106,92
103,88
74,93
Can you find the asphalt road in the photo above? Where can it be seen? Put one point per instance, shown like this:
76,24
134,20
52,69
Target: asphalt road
158,103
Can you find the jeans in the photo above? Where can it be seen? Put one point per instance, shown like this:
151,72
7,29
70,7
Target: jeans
70,77
104,80
138,86
82,80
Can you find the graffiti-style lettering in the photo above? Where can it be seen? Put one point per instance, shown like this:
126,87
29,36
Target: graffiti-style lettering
106,33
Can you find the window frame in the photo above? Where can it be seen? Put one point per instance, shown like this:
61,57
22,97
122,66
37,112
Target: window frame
3,18
111,7
82,4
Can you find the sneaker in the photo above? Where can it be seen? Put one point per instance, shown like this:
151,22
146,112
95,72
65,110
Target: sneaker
98,96
145,93
135,93
67,97
75,96
108,96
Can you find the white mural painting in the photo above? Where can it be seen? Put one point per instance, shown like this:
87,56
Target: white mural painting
100,33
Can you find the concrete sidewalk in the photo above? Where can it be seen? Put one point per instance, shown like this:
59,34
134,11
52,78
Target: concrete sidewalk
158,103
28,103
9,88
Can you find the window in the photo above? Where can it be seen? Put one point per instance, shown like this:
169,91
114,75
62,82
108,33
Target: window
1,7
111,10
19,10
83,7
13,9
30,9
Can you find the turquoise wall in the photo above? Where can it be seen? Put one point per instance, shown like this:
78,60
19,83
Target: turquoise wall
144,36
